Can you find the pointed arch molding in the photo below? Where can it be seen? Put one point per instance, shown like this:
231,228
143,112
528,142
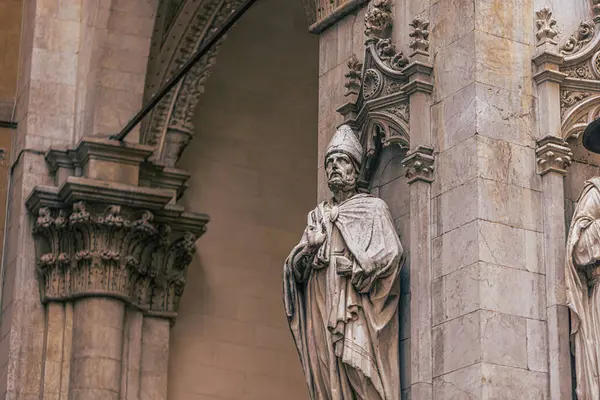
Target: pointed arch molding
579,64
180,29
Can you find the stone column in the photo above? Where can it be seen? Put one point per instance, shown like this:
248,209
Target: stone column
155,358
119,253
553,157
420,175
97,349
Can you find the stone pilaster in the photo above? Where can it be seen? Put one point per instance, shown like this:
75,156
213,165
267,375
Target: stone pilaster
420,174
553,156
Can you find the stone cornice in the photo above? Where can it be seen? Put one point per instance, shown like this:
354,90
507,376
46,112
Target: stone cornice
548,57
420,165
553,155
549,75
76,189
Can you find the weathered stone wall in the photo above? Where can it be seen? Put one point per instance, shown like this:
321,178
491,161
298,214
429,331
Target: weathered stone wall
253,164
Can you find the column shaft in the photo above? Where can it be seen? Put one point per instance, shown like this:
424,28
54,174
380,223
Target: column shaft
97,349
420,289
557,312
155,358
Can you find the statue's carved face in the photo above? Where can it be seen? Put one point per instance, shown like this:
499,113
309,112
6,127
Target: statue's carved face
341,172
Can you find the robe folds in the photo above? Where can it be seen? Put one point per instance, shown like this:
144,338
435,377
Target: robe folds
583,289
346,329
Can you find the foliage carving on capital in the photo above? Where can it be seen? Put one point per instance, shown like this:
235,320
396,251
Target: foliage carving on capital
113,251
378,20
420,165
553,155
546,26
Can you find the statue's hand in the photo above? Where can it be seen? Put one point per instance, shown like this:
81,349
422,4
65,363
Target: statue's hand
315,232
362,280
316,236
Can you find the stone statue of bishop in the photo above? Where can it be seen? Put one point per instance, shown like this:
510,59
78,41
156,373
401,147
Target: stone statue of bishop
341,287
583,289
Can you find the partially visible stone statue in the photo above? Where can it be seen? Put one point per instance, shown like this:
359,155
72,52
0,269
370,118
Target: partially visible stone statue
583,289
341,287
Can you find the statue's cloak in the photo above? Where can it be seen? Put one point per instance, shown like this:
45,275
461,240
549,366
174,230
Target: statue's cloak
583,297
363,325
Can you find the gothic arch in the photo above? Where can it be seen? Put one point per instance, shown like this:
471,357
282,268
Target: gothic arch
579,116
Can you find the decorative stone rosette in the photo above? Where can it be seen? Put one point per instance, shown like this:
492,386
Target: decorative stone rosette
112,251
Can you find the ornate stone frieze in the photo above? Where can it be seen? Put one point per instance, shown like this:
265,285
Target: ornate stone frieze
553,155
402,111
580,71
568,98
420,165
583,36
99,233
546,26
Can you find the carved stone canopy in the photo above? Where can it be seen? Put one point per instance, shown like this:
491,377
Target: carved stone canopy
379,89
579,72
98,233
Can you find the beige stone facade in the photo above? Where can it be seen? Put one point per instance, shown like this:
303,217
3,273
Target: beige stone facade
152,268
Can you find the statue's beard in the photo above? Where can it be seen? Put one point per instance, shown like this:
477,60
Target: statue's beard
340,183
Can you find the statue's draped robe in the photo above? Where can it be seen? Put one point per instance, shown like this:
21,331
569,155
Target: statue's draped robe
348,340
583,290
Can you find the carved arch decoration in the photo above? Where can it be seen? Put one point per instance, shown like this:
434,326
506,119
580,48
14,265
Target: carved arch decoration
181,27
378,108
578,117
579,65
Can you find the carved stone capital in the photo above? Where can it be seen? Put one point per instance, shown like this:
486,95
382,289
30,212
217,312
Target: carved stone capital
118,252
553,155
420,165
99,233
